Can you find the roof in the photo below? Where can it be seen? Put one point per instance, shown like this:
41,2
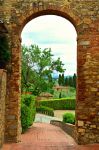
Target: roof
46,95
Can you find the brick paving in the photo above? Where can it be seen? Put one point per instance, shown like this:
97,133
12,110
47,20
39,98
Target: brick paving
43,136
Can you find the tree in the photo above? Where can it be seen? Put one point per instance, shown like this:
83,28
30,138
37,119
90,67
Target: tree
66,81
70,81
37,67
62,80
59,79
74,80
60,95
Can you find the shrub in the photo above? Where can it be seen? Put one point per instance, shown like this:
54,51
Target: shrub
45,110
4,52
24,117
69,118
28,111
59,104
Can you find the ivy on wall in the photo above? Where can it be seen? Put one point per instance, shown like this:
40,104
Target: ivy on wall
4,52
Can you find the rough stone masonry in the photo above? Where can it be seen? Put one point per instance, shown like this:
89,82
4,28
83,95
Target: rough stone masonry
84,15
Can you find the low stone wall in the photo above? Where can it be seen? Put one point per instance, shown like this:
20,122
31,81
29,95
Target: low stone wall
2,104
68,128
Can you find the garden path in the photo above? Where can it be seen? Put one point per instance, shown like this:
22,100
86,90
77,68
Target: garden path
44,136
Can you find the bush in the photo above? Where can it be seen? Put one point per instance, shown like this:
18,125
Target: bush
4,52
69,118
45,110
28,111
59,104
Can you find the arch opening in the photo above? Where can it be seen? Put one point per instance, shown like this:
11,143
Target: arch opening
38,35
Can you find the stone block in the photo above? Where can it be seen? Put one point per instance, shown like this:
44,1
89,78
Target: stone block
93,126
84,43
94,89
11,117
81,130
80,123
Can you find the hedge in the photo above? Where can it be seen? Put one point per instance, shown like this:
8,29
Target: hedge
69,118
28,111
66,104
45,110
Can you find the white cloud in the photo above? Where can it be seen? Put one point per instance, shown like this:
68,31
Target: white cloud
56,33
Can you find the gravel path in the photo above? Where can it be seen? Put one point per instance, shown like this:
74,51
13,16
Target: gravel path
44,118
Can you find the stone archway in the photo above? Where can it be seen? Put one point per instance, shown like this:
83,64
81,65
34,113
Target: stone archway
87,114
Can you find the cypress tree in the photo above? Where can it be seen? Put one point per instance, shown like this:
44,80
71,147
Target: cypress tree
62,79
60,95
74,80
70,81
59,79
66,81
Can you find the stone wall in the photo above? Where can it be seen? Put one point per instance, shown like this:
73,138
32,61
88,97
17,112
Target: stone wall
2,104
84,15
68,128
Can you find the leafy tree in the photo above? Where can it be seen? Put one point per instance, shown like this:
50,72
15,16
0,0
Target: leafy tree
37,67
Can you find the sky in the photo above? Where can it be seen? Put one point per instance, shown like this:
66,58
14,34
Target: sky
57,33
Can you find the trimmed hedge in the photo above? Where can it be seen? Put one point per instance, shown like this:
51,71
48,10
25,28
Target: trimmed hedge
45,110
69,118
28,111
66,104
